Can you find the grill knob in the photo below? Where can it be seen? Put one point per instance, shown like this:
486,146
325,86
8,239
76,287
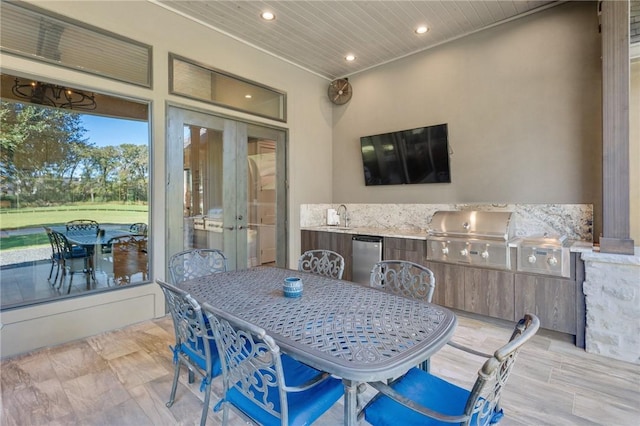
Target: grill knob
552,261
445,250
464,252
485,254
532,259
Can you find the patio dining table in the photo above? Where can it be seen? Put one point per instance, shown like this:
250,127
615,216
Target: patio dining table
350,330
88,239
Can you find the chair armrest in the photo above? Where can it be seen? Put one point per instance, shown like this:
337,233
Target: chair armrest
391,393
469,350
321,377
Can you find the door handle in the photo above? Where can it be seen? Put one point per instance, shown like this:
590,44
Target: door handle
230,228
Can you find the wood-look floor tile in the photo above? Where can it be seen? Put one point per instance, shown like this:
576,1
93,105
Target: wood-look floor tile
596,406
124,377
580,379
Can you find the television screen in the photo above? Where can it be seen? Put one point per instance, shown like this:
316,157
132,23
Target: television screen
408,156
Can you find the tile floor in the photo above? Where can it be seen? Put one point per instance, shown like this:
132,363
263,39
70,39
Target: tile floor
123,377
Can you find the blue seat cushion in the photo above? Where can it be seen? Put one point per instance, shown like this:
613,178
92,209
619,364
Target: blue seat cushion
194,350
304,407
428,390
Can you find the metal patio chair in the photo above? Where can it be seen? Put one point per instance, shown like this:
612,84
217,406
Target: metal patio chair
322,262
263,385
56,259
420,398
82,225
404,278
139,228
195,263
129,256
72,259
195,345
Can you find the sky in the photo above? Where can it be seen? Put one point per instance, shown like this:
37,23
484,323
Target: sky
104,131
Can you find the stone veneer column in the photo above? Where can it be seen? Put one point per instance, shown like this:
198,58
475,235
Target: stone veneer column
612,296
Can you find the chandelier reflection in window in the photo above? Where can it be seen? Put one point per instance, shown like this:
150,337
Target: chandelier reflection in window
53,95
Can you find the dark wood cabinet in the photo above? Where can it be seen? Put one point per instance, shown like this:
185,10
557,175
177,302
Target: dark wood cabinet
489,292
449,284
409,249
336,241
482,291
553,300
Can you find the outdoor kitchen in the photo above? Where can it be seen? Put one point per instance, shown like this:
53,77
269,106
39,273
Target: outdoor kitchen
497,260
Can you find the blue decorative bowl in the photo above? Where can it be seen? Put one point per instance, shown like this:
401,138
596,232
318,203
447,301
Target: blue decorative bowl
292,287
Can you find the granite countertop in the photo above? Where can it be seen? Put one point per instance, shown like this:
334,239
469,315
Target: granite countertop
381,232
575,246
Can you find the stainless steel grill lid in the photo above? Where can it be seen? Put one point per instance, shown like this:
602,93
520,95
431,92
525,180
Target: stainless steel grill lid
472,224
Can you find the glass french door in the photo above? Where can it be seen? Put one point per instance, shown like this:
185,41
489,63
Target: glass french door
226,188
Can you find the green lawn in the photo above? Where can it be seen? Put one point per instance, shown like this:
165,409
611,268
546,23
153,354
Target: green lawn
15,220
101,213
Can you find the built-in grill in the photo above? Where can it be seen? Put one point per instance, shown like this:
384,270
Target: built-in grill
475,238
545,254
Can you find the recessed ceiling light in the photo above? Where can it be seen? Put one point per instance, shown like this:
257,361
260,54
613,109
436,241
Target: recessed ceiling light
422,29
268,16
248,96
350,57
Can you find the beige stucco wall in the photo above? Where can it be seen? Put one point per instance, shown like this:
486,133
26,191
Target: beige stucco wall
523,105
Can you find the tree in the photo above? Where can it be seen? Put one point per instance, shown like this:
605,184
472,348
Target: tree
38,145
134,171
105,161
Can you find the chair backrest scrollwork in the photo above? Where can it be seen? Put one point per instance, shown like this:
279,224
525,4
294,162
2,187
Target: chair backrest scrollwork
404,278
195,263
322,262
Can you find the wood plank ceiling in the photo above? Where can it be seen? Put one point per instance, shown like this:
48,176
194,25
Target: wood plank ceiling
317,35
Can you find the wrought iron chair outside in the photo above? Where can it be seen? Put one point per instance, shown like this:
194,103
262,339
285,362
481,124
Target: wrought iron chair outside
322,262
73,259
404,278
83,225
422,398
263,385
56,257
195,263
129,256
139,228
195,345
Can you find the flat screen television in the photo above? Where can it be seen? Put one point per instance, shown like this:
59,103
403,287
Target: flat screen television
418,155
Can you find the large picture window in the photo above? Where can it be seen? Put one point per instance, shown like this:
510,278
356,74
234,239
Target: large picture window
74,193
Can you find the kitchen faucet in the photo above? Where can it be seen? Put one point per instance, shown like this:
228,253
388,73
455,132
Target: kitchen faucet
346,215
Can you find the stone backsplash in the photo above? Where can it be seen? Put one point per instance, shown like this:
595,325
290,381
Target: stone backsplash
575,221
